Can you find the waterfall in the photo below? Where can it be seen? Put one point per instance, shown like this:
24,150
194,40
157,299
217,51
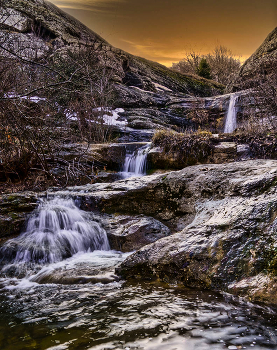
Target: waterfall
57,230
136,163
231,119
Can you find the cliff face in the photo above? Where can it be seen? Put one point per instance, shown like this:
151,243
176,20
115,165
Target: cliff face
37,29
263,61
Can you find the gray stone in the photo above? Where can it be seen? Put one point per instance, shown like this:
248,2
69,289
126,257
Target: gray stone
129,233
243,151
14,209
262,57
222,220
15,19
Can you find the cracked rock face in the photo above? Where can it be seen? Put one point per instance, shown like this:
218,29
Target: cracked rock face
15,19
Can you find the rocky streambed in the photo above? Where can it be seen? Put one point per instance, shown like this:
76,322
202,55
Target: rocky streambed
152,262
206,226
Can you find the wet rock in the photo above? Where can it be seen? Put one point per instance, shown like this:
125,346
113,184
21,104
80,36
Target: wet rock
225,152
158,159
171,197
14,209
261,288
129,233
231,238
224,217
223,220
81,269
243,152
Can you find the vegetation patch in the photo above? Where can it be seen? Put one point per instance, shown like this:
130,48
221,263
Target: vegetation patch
186,149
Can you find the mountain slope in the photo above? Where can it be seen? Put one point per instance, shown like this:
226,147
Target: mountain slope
262,62
40,28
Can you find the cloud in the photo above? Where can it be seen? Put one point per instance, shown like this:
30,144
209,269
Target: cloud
157,51
88,5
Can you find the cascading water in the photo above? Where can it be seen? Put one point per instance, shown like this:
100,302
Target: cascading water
231,119
57,230
136,163
78,303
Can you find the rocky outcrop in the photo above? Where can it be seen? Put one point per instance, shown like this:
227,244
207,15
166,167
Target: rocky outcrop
217,153
231,236
37,30
175,112
224,217
263,61
14,209
172,150
221,219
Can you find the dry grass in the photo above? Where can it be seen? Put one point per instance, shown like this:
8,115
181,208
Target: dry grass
187,148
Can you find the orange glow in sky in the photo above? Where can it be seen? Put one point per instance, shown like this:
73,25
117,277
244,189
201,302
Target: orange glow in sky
164,30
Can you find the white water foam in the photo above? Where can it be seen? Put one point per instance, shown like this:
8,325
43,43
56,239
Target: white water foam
136,163
57,230
96,267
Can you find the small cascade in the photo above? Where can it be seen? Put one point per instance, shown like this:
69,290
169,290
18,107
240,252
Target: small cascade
231,119
57,230
136,163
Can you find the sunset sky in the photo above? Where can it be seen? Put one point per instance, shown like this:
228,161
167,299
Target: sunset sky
164,30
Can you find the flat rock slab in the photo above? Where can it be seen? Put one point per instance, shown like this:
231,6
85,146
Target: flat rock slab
225,147
129,233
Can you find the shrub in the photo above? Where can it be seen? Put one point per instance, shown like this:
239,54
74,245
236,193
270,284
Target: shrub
204,69
189,149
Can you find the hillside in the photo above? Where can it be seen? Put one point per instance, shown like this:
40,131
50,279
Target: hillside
262,62
41,29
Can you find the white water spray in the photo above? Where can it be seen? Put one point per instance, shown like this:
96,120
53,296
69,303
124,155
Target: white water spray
136,163
231,119
57,230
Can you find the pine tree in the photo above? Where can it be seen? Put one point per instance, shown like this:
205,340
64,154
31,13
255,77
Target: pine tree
204,69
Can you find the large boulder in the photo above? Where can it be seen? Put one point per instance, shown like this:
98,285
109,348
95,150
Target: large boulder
230,243
129,233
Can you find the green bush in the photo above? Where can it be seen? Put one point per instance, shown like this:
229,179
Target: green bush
204,69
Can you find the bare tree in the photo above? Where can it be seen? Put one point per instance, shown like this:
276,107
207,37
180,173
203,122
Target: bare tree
224,65
189,63
40,95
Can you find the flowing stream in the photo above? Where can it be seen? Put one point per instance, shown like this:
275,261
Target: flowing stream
58,290
136,162
231,119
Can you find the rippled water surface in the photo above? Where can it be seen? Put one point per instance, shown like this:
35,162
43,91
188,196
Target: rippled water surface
118,316
58,290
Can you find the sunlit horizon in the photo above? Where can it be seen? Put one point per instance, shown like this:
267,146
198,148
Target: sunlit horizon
166,32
